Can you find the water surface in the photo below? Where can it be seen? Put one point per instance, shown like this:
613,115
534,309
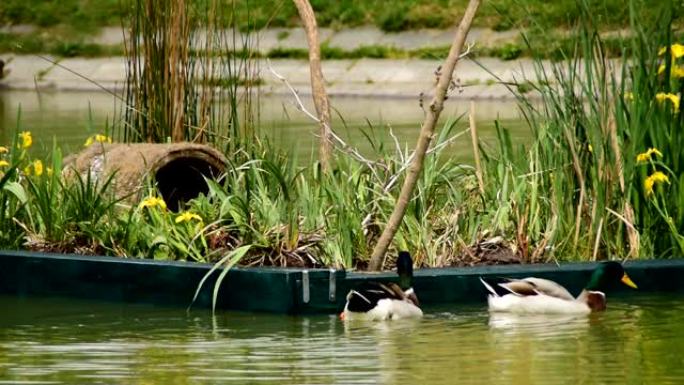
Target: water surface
638,340
70,117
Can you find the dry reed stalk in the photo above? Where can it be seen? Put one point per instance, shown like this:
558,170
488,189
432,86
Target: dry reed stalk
158,71
178,67
628,212
632,233
580,176
426,133
476,149
170,86
598,239
206,94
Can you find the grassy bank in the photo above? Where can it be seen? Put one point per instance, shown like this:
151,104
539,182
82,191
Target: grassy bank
65,28
402,15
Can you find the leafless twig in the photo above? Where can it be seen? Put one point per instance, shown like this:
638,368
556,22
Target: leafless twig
400,153
407,162
339,143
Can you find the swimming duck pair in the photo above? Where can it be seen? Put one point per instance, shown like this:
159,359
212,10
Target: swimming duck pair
385,301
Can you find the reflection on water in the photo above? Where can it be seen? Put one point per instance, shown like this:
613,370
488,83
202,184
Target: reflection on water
70,117
539,324
59,341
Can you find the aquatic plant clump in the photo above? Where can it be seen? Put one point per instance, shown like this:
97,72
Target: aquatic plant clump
601,175
287,214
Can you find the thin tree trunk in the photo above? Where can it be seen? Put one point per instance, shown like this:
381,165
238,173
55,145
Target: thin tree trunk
426,133
320,97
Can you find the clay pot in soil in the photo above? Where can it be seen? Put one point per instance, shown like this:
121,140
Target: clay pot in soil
177,169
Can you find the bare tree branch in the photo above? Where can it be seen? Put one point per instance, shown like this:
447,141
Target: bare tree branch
320,97
341,145
426,133
406,163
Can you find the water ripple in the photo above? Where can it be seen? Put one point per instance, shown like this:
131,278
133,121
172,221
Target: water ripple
634,342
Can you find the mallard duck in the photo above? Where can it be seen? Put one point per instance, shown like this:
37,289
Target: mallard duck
537,295
377,301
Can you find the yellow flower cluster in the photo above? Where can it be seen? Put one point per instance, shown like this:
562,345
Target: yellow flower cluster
646,156
36,166
661,97
187,217
3,150
677,51
152,202
26,139
654,179
675,70
99,138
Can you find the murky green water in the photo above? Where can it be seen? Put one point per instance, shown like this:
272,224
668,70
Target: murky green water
638,340
70,117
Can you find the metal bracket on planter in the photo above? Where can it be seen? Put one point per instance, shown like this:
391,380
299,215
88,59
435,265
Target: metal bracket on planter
332,286
306,295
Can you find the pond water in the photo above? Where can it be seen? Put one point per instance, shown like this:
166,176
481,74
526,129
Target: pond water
70,117
52,341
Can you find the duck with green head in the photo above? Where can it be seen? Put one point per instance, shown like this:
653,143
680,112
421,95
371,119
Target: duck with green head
376,301
538,295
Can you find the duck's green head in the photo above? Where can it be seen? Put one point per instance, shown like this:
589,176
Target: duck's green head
608,274
405,270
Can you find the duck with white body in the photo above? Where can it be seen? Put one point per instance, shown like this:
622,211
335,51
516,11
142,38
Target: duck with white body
376,301
538,296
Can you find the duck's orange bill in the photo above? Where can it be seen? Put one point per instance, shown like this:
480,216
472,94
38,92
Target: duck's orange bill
628,281
342,316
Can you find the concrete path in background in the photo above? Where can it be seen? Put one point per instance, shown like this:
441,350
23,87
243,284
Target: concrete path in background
360,77
347,39
353,38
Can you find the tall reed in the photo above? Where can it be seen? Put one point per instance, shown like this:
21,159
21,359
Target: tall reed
188,78
578,191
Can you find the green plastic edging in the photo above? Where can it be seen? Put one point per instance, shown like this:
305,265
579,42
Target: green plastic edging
281,290
145,281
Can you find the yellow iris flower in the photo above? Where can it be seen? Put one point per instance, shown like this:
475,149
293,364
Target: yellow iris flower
153,202
678,72
26,139
676,49
646,156
99,138
675,71
674,99
187,217
38,167
4,163
3,150
654,179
